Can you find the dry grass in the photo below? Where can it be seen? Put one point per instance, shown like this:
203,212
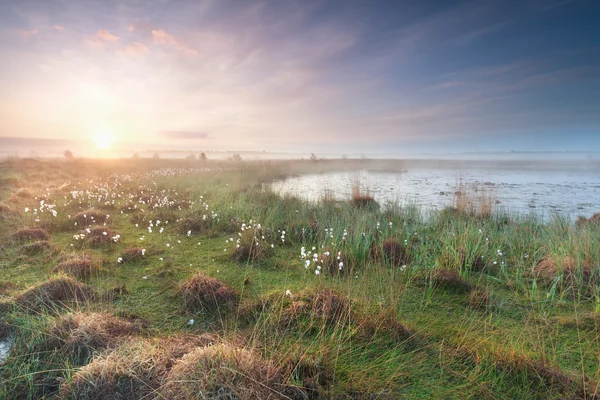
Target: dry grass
38,247
450,279
224,371
57,291
474,200
81,267
251,247
85,333
330,306
549,269
194,225
133,254
583,221
135,370
99,236
90,217
30,234
204,292
361,199
392,251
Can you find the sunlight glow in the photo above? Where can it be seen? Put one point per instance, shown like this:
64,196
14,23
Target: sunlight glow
103,139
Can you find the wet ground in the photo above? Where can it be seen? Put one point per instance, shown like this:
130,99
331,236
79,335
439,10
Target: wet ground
544,193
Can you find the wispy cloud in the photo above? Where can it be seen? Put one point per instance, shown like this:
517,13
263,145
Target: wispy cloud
134,49
26,33
184,135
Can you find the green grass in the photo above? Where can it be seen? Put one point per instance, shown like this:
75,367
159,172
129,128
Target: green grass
455,351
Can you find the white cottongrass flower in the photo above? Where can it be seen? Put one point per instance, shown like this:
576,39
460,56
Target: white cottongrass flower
191,322
120,260
317,272
288,293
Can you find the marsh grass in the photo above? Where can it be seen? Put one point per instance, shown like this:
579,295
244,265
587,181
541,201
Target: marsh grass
453,304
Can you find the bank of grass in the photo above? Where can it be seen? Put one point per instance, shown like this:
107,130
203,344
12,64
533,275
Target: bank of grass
449,306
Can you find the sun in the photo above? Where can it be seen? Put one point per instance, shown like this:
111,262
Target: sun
103,139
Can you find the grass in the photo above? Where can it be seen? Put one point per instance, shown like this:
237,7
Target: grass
464,304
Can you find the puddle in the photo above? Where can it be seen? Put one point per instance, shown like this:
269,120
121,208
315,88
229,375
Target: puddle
5,346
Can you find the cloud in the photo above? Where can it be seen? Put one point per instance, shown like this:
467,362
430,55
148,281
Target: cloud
184,135
58,27
162,37
27,33
134,49
106,35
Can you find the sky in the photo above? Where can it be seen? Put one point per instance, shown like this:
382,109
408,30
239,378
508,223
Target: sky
319,76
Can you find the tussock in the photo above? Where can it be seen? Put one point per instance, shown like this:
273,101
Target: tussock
56,291
392,251
134,370
194,225
30,234
38,247
90,217
450,279
81,267
548,269
331,306
223,371
85,333
99,236
204,292
133,254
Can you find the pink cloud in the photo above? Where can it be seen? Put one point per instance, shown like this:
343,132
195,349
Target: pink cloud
106,35
134,49
59,27
160,36
27,33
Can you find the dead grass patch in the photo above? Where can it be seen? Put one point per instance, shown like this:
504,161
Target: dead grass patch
203,292
30,234
330,306
449,279
90,217
194,225
38,247
134,370
392,251
549,269
85,333
133,254
56,291
99,236
251,247
82,267
224,371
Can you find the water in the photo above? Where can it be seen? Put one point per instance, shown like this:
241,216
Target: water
544,193
5,345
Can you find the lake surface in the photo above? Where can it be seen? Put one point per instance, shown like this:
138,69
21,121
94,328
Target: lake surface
544,193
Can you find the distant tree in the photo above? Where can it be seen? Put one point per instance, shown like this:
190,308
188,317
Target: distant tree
344,156
313,157
236,157
203,156
68,154
155,156
135,156
191,157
